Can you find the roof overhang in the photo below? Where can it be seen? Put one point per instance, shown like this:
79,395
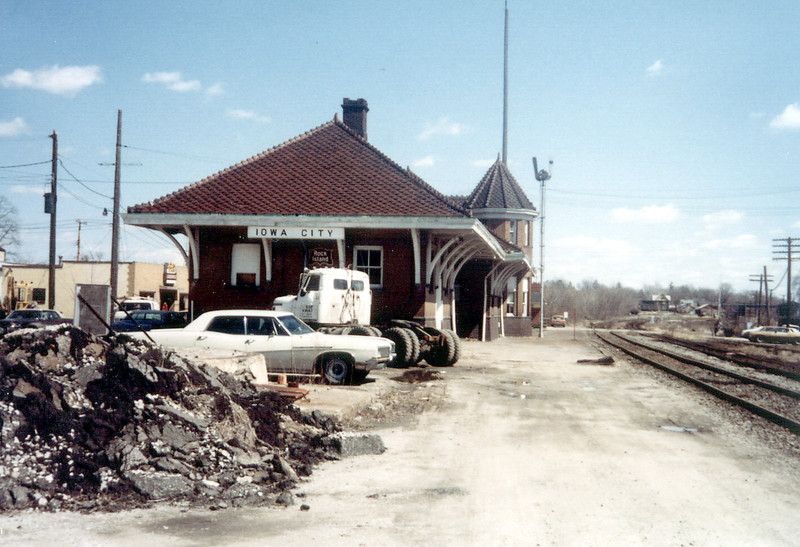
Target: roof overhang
505,214
470,229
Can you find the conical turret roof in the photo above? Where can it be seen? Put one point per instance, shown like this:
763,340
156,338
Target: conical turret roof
498,190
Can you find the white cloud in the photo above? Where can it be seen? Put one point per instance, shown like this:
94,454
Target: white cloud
427,161
68,80
788,119
240,114
173,81
22,189
736,243
442,127
15,127
215,89
655,69
722,219
651,214
796,225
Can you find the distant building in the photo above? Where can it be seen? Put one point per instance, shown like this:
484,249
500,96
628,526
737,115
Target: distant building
657,302
26,285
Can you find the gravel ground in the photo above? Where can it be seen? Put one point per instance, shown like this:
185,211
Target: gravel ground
518,443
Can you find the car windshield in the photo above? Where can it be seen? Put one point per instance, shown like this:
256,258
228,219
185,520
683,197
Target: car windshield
294,325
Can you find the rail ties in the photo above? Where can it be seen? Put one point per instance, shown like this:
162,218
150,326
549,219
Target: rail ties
749,387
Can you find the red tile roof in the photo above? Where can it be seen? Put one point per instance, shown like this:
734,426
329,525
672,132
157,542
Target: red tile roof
327,171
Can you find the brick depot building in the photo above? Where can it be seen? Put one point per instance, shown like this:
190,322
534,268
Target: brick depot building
330,198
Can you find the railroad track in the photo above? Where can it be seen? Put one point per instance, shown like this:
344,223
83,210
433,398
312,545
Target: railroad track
733,356
776,403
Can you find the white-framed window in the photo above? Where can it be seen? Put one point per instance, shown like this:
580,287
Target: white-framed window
512,231
528,230
246,265
369,259
526,283
511,299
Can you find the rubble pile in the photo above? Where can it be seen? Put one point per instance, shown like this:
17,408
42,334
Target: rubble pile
111,423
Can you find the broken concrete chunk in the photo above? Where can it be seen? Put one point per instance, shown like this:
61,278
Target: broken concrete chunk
283,466
199,423
159,485
347,444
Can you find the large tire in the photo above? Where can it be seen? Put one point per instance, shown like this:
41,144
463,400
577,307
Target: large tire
414,357
456,344
442,356
403,346
375,331
336,370
360,330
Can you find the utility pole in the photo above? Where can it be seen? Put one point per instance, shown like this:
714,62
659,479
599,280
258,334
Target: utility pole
115,212
78,255
50,207
760,279
768,300
782,250
542,176
505,92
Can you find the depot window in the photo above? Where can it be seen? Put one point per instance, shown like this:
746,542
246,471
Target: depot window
511,298
369,259
245,265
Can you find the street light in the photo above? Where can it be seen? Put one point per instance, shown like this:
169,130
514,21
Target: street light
542,176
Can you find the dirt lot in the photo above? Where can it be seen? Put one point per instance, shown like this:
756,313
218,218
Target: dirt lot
516,444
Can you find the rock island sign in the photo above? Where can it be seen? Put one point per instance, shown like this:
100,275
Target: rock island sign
294,232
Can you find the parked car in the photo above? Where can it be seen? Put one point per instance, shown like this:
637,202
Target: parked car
147,320
775,335
132,304
18,319
288,345
558,321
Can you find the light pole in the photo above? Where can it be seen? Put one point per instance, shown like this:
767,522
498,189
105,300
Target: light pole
542,176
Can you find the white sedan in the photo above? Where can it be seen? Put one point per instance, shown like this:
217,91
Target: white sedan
288,345
775,335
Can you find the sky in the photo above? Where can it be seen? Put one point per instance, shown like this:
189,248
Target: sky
673,126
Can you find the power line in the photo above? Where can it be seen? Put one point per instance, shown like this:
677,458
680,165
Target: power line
23,165
81,183
188,156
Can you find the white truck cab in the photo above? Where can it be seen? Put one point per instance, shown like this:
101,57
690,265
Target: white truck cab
330,297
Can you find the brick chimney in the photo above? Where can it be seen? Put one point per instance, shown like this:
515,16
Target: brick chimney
354,114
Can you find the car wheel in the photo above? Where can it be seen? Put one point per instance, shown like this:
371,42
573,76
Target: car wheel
335,369
759,339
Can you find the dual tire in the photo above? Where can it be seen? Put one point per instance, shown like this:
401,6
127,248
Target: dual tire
406,346
446,354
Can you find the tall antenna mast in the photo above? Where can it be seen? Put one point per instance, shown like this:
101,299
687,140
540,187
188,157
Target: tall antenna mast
505,92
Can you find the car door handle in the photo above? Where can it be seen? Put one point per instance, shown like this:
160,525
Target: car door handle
202,337
249,341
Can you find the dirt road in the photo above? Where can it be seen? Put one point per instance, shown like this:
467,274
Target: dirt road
519,444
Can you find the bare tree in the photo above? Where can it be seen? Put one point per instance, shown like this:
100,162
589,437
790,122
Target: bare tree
8,223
